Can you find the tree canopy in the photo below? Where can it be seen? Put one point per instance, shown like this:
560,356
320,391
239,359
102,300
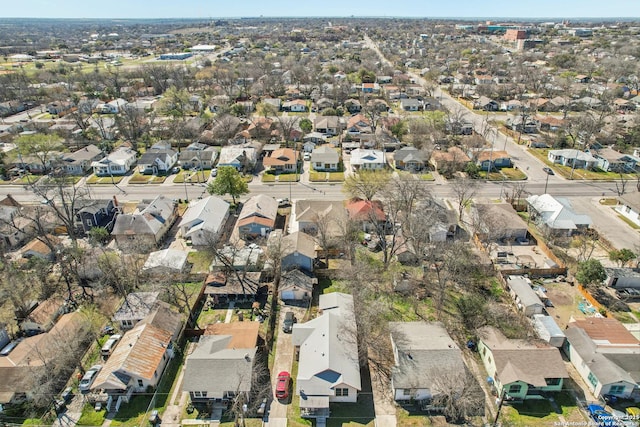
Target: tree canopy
366,184
590,272
229,181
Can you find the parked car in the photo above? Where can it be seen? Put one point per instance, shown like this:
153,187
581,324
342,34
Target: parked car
549,171
289,320
109,345
175,169
88,377
282,385
307,156
214,172
601,416
67,394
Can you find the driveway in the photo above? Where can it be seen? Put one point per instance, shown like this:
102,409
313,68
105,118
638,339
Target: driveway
282,362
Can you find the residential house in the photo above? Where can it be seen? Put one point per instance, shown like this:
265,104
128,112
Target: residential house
520,369
298,250
104,126
523,124
222,287
39,249
325,158
119,162
43,317
524,296
282,160
611,160
112,107
197,156
487,104
310,215
572,158
606,356
136,306
158,160
629,207
139,360
241,157
59,107
499,221
366,159
79,162
353,106
166,262
204,220
295,106
329,125
368,213
619,278
410,158
358,124
556,215
328,368
14,228
276,103
221,366
296,285
146,227
452,159
423,355
258,217
494,159
410,104
96,213
370,88
30,357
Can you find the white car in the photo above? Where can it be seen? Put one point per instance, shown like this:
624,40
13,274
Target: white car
88,377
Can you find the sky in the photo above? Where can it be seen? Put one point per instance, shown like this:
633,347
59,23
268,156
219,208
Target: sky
337,8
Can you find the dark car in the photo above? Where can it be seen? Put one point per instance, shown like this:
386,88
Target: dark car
67,394
282,385
549,171
289,320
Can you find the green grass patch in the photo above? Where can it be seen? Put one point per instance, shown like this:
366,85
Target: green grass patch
91,417
139,178
427,176
201,261
290,177
513,174
157,179
493,176
608,201
624,317
318,176
268,177
405,419
26,180
93,179
336,176
629,222
208,317
541,412
577,173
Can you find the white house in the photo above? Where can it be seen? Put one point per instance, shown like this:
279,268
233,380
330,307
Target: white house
119,162
622,277
629,207
325,158
606,356
524,296
204,220
166,262
79,162
296,285
422,352
572,158
329,370
556,214
367,159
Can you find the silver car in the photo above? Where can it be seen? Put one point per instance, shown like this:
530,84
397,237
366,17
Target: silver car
88,377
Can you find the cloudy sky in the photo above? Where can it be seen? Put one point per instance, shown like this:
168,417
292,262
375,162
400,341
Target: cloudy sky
246,8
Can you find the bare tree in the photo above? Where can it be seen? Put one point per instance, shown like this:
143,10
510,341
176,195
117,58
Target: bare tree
366,184
464,190
459,394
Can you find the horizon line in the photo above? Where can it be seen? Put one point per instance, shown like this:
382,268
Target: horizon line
452,18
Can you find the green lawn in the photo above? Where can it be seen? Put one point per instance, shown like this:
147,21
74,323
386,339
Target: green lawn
629,222
93,179
290,177
139,178
266,177
90,417
189,176
427,176
541,412
318,176
201,261
513,174
336,176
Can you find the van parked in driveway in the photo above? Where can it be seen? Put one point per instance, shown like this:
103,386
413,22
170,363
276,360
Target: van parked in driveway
108,346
